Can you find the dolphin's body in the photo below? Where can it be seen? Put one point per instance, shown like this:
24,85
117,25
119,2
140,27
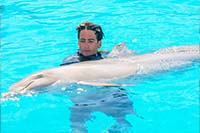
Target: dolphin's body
91,72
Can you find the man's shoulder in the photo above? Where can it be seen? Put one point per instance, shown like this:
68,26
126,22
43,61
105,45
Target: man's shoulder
104,53
70,60
75,58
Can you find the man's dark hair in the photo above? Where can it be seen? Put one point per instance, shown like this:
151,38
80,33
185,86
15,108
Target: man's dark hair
91,26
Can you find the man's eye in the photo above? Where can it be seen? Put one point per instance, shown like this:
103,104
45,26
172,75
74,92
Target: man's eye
91,41
81,40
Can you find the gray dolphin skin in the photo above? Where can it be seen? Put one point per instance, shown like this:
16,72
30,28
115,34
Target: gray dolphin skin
100,72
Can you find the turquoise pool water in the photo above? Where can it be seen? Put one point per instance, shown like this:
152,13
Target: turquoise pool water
36,35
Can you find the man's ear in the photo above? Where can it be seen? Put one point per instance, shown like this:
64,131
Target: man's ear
99,43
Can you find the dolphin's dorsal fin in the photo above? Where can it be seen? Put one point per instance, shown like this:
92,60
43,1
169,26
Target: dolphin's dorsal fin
120,50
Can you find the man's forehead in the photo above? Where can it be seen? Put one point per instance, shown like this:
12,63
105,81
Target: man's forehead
82,38
87,34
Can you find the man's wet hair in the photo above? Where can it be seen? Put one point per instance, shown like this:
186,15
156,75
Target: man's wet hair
91,26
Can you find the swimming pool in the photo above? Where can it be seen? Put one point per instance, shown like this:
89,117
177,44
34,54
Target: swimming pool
38,34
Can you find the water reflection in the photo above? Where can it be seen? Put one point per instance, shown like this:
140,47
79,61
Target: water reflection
112,101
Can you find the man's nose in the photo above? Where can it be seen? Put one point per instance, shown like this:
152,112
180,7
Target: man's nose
86,44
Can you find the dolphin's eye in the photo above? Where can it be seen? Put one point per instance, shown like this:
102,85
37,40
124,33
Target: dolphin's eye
40,76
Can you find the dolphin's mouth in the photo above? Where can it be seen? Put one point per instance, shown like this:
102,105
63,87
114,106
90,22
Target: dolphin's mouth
24,88
27,82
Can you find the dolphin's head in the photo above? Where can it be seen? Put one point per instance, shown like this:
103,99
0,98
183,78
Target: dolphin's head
32,83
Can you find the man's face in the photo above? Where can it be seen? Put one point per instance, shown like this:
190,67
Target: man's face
88,43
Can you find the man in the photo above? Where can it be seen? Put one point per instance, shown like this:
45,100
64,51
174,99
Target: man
90,37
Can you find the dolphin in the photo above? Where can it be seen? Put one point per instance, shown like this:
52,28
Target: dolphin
101,72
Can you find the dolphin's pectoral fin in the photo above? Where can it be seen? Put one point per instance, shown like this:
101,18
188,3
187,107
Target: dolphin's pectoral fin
98,84
102,84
